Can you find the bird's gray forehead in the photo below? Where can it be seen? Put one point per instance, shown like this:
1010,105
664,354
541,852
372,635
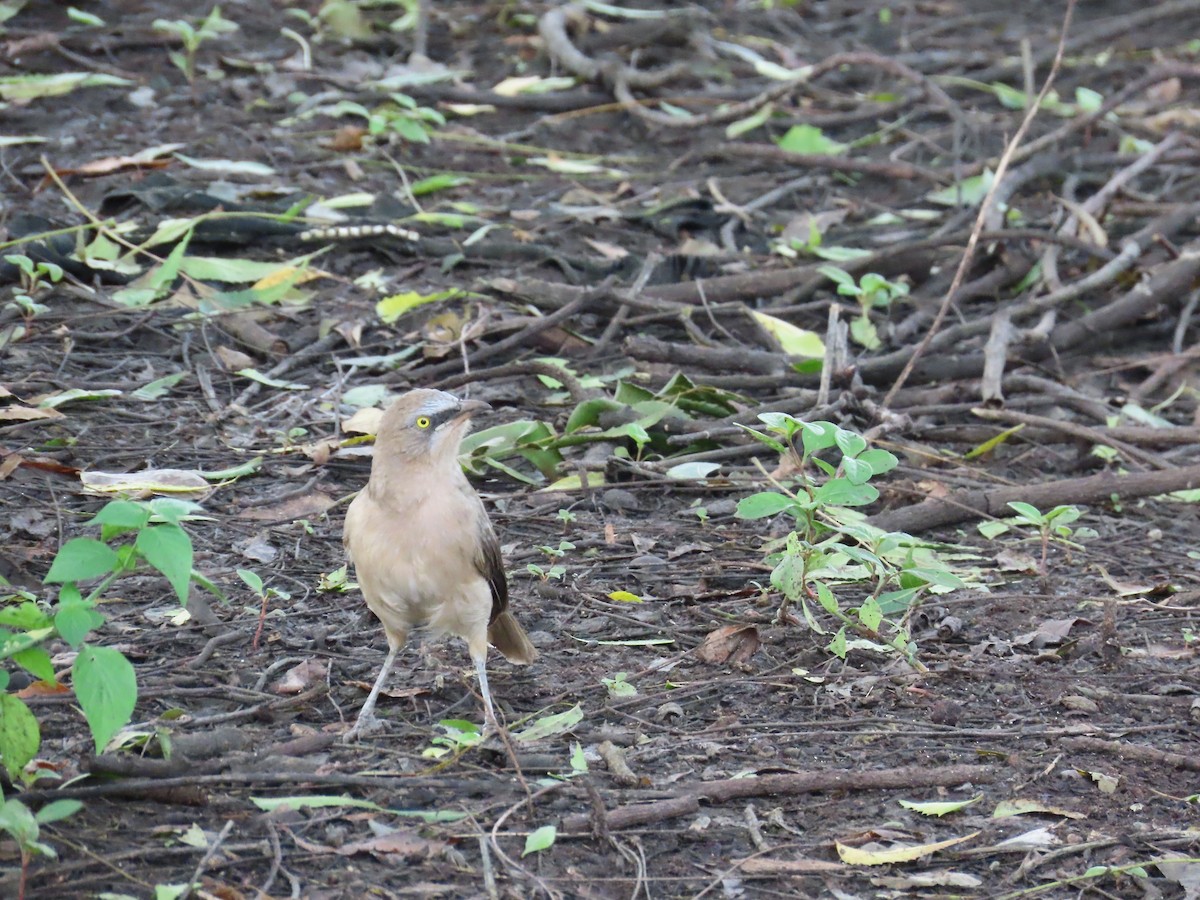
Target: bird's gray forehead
437,401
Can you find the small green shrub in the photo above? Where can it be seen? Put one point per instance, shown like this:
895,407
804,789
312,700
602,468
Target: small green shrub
104,681
831,547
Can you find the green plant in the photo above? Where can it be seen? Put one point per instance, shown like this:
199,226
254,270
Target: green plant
255,583
33,277
192,36
1050,526
24,827
546,574
832,547
459,735
872,291
559,551
619,686
103,679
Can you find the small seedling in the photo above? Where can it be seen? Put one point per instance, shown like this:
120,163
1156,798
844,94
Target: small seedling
460,735
618,686
192,36
1050,526
830,546
24,827
559,551
546,574
255,583
566,517
871,291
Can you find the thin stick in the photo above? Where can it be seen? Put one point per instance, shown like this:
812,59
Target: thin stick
973,241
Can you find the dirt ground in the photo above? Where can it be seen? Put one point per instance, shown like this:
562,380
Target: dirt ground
601,227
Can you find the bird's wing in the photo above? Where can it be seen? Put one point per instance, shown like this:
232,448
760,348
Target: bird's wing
490,564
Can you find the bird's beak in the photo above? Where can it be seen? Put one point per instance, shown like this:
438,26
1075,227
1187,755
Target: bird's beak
468,408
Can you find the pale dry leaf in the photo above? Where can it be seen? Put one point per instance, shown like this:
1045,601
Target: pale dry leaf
27,414
733,644
364,421
305,506
301,677
397,846
168,482
234,360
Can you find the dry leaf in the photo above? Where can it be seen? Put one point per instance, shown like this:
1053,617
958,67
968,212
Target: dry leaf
306,506
733,644
300,678
234,360
397,846
27,414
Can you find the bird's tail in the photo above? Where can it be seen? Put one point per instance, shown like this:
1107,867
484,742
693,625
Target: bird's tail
507,636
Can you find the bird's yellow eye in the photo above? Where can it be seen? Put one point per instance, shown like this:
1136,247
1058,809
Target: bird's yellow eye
422,421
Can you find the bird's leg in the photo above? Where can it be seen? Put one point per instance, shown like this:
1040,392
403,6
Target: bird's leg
367,722
490,724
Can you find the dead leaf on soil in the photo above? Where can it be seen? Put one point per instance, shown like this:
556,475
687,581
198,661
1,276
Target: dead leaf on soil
169,482
300,678
877,855
397,846
733,644
27,414
305,506
1016,561
9,464
759,866
365,421
1020,807
1051,631
234,360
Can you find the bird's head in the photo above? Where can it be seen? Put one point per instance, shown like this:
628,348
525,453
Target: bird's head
425,426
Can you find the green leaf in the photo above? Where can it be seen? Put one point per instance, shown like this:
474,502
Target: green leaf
849,443
540,839
792,339
160,278
253,581
389,309
35,87
879,460
748,124
818,436
439,182
56,810
856,471
625,597
1028,513
168,549
870,614
73,621
549,726
20,736
809,140
36,661
761,505
120,516
837,646
842,492
106,687
70,396
968,192
80,559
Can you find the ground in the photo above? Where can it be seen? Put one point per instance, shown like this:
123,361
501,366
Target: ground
597,234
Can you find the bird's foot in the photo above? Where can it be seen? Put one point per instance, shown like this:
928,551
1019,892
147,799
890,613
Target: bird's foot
366,725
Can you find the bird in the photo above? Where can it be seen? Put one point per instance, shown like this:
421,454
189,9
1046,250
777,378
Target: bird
423,548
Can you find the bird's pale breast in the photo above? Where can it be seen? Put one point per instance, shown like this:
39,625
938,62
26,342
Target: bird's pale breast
414,559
